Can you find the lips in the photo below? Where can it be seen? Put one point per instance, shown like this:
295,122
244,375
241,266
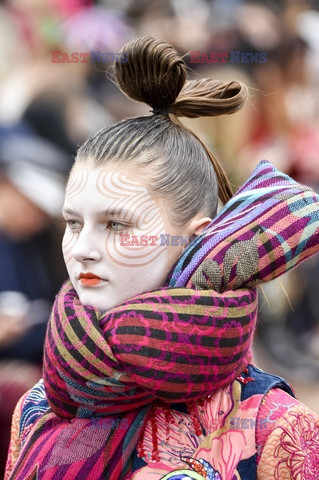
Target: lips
90,280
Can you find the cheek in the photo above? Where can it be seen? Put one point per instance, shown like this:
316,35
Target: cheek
143,246
133,250
135,281
68,242
77,182
140,245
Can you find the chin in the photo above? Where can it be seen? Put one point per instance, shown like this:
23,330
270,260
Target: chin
94,300
88,298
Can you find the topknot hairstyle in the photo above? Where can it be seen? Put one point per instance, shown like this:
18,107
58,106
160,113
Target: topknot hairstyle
177,164
156,74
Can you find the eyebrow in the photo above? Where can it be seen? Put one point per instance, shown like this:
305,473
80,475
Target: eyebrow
117,211
111,212
69,211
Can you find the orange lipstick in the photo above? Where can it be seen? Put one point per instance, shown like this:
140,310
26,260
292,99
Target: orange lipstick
89,279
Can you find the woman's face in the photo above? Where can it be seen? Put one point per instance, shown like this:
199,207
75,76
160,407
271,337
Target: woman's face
113,244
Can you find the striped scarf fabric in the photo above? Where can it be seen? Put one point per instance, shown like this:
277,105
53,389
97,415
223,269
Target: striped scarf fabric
176,344
265,230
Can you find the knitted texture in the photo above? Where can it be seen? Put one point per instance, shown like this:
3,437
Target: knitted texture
175,344
178,343
269,226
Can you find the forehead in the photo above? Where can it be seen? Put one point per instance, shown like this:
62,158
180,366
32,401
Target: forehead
104,183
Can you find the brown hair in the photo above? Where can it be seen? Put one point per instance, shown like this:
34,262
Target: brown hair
182,166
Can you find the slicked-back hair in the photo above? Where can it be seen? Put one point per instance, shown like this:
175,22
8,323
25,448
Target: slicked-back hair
173,160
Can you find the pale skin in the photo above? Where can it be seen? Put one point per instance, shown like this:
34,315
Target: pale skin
101,203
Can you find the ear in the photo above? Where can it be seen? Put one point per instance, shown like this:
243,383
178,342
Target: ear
198,225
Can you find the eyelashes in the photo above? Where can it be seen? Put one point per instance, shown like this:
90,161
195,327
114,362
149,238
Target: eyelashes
73,224
112,225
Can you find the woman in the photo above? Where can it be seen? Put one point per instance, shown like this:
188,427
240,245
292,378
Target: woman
147,368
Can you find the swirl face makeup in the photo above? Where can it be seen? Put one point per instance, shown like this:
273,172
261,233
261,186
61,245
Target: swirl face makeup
102,204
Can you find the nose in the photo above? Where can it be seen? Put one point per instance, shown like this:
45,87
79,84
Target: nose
86,248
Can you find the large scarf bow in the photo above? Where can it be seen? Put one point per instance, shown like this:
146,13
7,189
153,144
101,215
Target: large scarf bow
177,343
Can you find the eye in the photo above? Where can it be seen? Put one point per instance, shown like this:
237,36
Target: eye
115,226
73,224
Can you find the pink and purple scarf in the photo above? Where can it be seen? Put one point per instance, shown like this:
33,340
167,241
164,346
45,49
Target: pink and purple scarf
176,344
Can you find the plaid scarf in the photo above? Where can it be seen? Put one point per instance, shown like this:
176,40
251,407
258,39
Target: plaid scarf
176,344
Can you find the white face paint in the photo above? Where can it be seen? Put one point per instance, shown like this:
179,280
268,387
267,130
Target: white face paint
102,204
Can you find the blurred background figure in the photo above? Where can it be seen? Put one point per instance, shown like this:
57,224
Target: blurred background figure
285,129
32,178
47,109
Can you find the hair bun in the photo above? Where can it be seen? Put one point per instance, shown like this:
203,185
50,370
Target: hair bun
207,98
154,72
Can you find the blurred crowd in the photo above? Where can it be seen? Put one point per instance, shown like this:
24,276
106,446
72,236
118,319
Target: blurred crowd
48,108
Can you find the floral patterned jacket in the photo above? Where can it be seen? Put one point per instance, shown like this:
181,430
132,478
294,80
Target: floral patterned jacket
252,429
